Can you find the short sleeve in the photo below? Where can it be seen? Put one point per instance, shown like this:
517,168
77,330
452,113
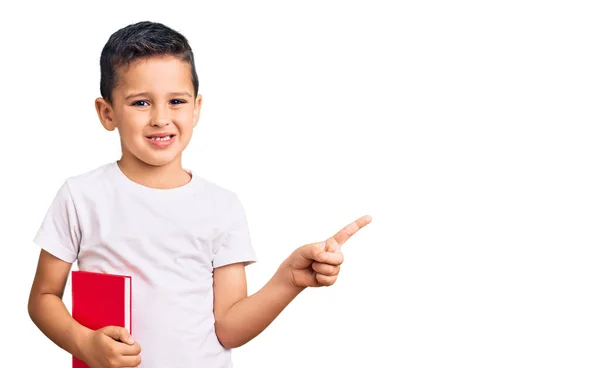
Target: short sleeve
234,245
59,233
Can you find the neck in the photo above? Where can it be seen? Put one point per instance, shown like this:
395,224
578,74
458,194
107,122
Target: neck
169,176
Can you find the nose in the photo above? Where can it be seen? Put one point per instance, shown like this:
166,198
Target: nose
160,117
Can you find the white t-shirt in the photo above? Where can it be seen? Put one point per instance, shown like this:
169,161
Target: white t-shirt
168,240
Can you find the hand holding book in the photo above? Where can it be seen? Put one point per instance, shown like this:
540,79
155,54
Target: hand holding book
109,347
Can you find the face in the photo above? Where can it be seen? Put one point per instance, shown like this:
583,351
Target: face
154,110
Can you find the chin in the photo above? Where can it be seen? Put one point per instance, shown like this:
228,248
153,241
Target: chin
158,160
155,157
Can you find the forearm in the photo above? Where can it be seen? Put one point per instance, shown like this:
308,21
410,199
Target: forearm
50,315
250,316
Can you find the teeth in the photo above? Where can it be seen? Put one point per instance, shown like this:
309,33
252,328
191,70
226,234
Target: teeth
161,138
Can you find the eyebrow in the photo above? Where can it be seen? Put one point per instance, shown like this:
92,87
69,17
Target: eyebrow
142,94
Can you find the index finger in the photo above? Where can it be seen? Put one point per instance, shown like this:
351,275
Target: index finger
343,235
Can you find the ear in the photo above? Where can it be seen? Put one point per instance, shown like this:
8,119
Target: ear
105,114
197,107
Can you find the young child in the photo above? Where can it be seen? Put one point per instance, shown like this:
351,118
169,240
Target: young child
183,239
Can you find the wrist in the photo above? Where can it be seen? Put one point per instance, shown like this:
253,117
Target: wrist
283,280
81,341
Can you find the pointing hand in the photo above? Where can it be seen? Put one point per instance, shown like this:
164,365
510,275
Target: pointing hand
318,264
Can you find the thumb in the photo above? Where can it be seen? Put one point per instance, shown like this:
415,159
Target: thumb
310,252
305,255
119,333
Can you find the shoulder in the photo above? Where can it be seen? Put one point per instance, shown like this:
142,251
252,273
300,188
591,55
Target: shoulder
92,175
222,197
89,182
215,190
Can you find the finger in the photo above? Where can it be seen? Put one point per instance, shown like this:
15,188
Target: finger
325,269
304,256
119,333
310,253
326,280
130,350
336,241
130,361
332,258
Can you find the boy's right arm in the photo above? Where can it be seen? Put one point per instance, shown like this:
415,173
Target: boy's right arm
50,315
47,309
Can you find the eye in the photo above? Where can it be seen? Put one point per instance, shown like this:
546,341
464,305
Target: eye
177,102
139,103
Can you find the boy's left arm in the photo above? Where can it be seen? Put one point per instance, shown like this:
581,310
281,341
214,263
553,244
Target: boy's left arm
239,318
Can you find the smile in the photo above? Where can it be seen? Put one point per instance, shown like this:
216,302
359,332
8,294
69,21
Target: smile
161,140
169,137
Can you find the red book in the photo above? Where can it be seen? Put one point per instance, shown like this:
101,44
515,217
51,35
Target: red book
100,300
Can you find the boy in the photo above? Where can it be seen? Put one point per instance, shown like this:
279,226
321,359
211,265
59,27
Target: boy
183,239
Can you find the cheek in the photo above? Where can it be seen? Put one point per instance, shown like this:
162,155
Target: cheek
184,119
132,122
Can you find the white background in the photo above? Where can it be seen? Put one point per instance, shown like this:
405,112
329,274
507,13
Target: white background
468,130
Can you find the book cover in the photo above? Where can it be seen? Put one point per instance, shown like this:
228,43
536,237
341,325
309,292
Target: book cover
100,300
